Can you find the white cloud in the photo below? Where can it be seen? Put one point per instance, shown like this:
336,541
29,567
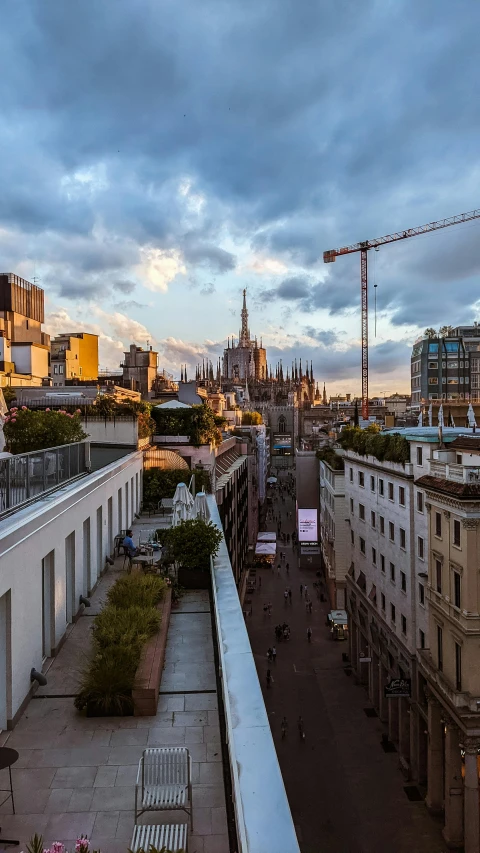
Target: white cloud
158,268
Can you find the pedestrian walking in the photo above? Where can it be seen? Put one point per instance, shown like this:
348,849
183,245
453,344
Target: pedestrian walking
265,608
269,654
285,596
290,594
274,654
301,588
284,726
259,581
301,728
310,606
305,589
269,605
288,568
278,570
269,678
309,634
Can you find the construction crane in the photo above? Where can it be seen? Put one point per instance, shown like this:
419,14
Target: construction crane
364,247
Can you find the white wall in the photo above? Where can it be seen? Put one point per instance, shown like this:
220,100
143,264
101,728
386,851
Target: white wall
112,432
28,536
30,359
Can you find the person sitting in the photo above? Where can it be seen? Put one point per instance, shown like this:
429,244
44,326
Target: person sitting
128,545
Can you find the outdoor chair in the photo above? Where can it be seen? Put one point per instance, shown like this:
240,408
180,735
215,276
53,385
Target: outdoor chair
174,837
164,781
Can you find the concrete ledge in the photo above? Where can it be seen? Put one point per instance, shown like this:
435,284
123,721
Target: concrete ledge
149,673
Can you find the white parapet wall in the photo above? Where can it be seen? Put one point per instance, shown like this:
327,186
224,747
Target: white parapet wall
263,817
51,553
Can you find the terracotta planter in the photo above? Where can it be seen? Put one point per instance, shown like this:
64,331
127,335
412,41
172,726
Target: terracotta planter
194,578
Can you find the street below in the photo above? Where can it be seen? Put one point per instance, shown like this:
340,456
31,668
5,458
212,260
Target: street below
346,794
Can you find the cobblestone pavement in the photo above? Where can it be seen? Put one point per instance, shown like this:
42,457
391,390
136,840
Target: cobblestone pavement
345,793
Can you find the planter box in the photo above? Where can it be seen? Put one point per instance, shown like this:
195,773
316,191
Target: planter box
149,673
194,578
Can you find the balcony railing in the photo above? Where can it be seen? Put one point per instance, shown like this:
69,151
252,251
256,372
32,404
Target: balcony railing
29,476
456,473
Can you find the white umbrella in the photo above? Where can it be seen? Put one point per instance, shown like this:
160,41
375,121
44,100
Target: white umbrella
440,416
471,416
430,416
182,504
201,506
272,480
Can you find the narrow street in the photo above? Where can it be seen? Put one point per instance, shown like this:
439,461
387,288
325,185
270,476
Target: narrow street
346,794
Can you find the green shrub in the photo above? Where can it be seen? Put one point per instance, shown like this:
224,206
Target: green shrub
127,626
200,423
327,454
161,483
192,543
389,447
136,591
107,683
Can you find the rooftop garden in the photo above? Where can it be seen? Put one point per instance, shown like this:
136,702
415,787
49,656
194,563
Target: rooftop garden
200,423
191,544
386,447
159,483
251,419
328,454
27,429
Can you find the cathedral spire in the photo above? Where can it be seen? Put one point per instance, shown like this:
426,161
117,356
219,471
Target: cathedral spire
324,400
245,332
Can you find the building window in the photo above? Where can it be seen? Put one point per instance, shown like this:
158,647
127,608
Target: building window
433,380
438,575
361,479
421,594
380,487
420,501
438,524
351,475
382,563
361,512
382,525
390,491
373,519
456,533
403,581
440,648
362,545
391,531
55,369
403,538
392,612
419,455
374,556
433,365
401,496
351,504
392,572
372,484
80,370
352,537
60,368
456,589
459,458
421,548
382,599
404,624
458,667
422,638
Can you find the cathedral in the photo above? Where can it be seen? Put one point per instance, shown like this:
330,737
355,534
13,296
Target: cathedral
246,360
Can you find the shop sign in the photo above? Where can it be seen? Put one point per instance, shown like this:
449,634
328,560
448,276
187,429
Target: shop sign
398,688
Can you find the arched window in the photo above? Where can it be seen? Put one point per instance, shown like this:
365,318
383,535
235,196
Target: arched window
282,424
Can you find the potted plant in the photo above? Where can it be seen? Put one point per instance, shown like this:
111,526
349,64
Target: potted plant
191,545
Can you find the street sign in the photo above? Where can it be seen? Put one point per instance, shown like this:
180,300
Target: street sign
365,660
309,549
398,688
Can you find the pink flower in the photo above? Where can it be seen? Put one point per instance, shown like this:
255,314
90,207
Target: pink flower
57,847
14,420
47,410
24,408
78,411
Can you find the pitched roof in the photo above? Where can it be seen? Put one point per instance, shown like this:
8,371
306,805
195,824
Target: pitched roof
465,491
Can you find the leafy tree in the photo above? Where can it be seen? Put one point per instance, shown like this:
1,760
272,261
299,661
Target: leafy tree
27,429
327,454
192,543
444,331
161,483
9,395
251,419
430,333
391,447
198,422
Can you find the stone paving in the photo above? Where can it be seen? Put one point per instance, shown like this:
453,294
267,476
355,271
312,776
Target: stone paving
77,775
345,793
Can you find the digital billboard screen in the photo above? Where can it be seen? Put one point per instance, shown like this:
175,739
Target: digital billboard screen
307,525
282,441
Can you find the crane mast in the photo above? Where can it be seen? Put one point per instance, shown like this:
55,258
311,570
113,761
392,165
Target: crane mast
330,256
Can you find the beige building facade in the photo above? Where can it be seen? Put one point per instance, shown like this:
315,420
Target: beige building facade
451,664
74,355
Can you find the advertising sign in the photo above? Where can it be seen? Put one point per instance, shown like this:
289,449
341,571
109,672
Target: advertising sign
398,688
282,441
309,550
307,526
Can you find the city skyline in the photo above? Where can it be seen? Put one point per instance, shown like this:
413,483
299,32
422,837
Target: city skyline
145,193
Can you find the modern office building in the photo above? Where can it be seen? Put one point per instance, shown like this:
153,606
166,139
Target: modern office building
74,355
24,347
446,368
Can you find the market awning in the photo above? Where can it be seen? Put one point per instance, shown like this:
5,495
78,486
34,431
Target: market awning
266,548
267,536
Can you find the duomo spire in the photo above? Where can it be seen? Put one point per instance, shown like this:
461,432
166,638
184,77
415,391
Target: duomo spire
245,331
247,360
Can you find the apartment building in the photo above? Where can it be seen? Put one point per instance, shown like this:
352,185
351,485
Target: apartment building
387,586
450,666
74,356
334,530
24,347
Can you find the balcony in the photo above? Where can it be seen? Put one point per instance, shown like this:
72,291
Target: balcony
456,473
458,700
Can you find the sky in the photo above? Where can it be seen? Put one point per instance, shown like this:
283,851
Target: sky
157,158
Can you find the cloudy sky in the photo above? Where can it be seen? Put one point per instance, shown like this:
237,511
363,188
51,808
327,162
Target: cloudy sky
156,158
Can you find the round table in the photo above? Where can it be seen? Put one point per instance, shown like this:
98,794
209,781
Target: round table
8,757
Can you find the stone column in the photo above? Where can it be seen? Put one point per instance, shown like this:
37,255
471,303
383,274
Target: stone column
453,830
471,810
434,800
404,739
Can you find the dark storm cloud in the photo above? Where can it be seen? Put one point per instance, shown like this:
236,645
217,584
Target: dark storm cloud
304,126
